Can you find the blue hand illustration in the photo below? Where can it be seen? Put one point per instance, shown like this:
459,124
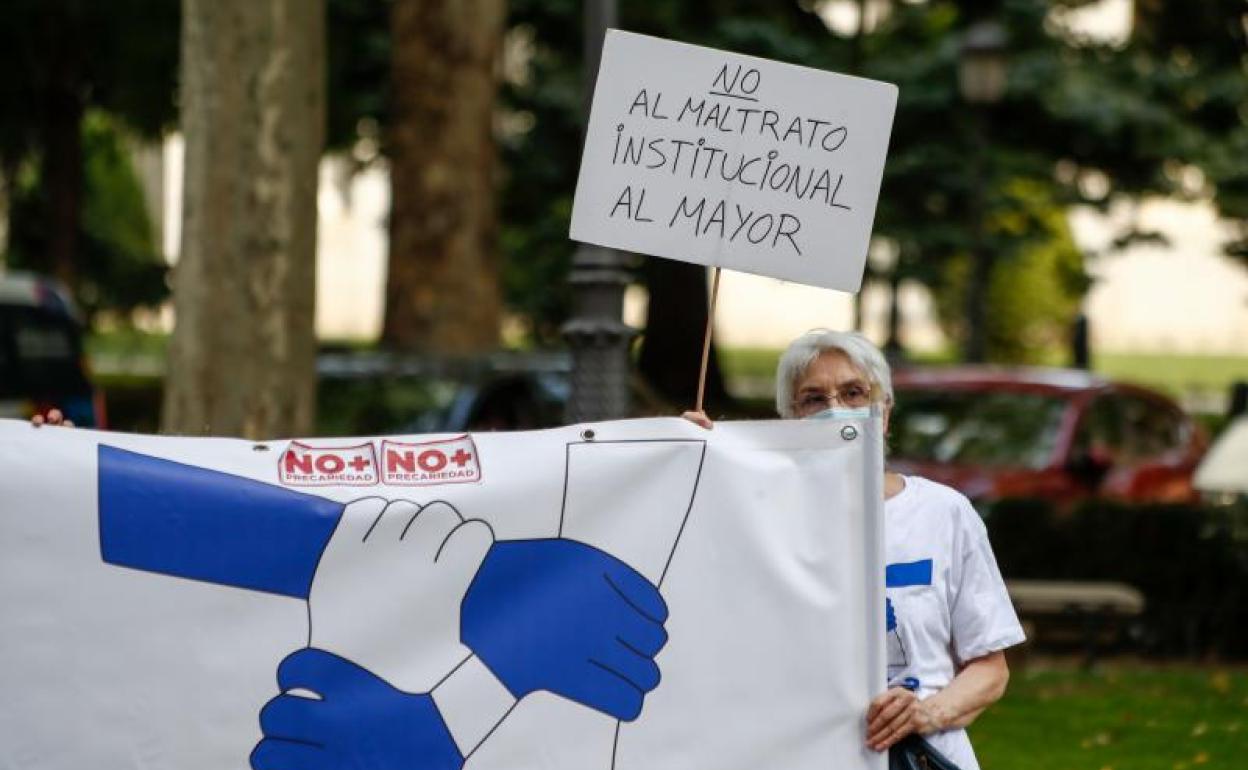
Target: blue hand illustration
563,616
360,722
553,615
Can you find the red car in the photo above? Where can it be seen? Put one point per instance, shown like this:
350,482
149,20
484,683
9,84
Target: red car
1054,434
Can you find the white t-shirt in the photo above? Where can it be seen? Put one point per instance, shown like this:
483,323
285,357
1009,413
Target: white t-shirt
947,601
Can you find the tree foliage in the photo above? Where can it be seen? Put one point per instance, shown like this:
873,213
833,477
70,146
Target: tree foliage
1086,121
1031,297
120,267
120,57
68,64
1082,122
1197,53
357,64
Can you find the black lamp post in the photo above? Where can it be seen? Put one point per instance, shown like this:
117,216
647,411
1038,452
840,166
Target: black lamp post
596,333
982,64
885,260
982,73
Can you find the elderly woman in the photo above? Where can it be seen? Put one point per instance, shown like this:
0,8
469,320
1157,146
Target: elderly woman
949,616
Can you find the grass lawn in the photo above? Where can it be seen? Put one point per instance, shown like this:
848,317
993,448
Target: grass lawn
1174,373
127,342
1178,375
1124,718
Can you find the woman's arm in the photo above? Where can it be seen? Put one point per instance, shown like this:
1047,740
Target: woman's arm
977,686
898,712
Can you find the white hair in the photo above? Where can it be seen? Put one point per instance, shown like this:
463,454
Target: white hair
860,351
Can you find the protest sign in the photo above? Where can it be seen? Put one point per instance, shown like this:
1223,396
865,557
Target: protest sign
734,161
631,595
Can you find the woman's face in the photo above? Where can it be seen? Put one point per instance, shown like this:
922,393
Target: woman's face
833,380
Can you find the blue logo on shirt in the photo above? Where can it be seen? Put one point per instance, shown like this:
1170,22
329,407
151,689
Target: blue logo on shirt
913,573
902,575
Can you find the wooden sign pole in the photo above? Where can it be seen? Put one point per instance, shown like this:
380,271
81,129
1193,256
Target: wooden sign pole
706,343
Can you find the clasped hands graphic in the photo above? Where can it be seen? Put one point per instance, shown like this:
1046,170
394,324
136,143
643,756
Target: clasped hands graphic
426,631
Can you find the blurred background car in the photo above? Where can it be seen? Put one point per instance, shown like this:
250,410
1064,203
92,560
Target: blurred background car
994,433
1051,434
1224,471
1222,476
363,392
41,356
383,392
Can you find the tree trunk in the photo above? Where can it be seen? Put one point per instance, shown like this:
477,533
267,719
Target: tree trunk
63,156
243,355
8,171
442,292
976,350
975,343
671,350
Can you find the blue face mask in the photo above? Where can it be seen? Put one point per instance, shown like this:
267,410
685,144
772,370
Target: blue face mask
841,413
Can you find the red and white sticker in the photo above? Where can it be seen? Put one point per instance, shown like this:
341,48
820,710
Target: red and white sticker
302,465
450,461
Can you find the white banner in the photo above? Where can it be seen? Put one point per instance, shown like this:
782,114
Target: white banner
717,158
639,595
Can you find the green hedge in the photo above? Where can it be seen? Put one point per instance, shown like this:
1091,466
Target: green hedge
1190,562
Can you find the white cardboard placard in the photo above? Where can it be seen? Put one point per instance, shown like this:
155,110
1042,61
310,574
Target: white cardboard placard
722,159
